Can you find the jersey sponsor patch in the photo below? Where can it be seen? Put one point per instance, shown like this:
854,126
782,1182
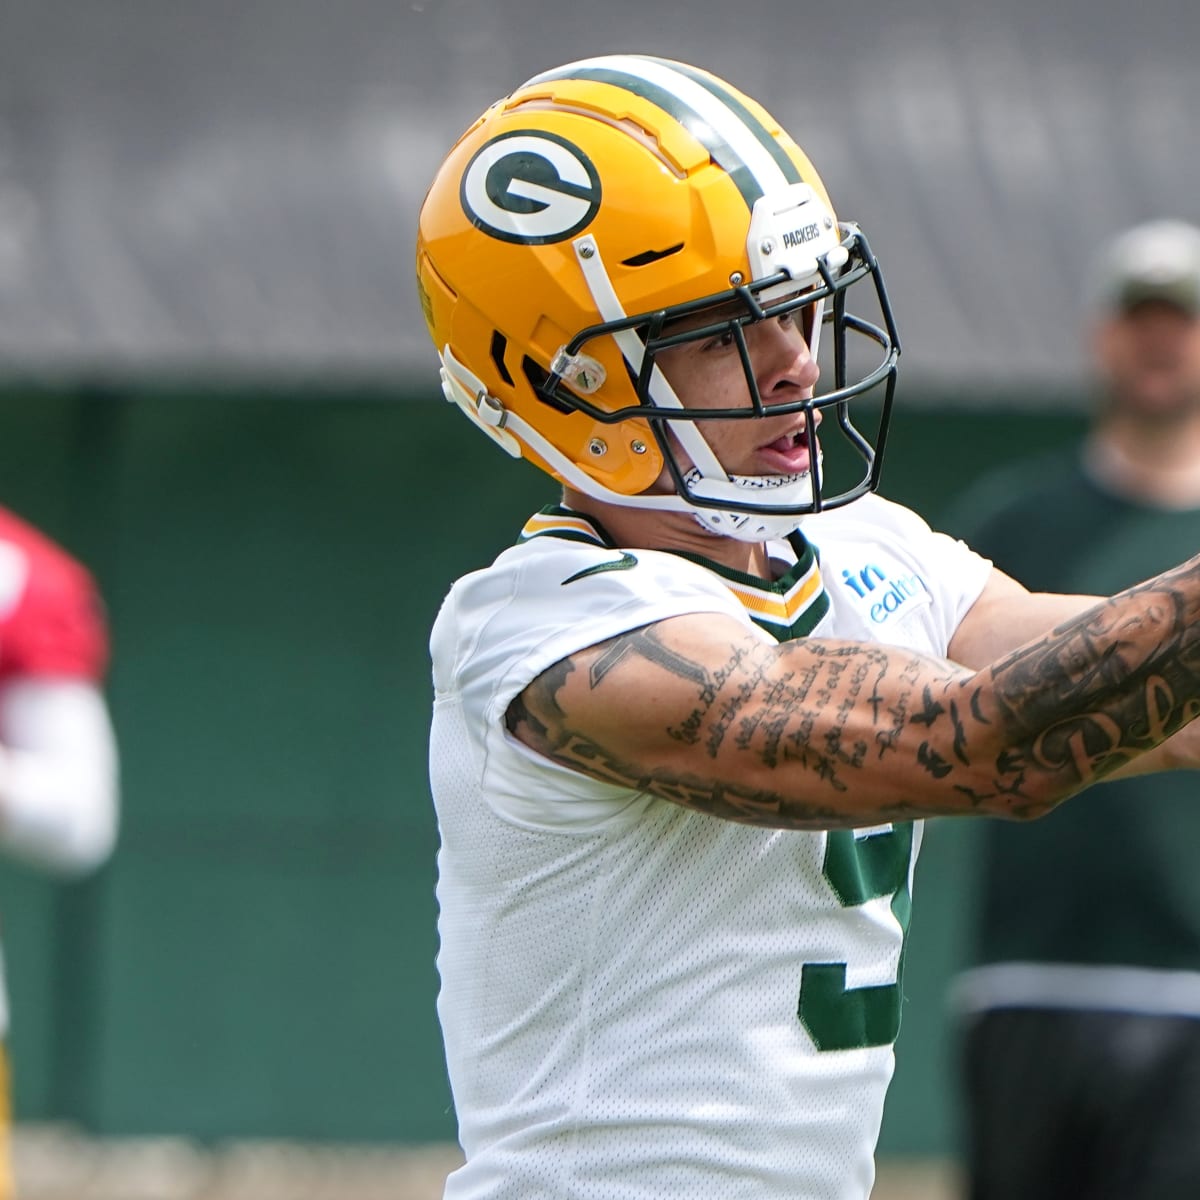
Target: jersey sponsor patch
885,591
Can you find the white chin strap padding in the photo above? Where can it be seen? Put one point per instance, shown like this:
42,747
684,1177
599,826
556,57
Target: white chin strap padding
795,491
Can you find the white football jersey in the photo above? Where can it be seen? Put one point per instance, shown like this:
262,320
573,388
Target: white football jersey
639,1000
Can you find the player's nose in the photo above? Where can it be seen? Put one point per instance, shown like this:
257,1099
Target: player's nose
785,362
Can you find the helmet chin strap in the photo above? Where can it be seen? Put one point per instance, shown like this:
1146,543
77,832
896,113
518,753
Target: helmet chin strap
790,490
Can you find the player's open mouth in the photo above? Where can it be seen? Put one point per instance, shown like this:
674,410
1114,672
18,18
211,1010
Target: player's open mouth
787,455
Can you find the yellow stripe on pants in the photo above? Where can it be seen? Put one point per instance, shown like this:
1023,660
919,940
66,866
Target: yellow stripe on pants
6,1178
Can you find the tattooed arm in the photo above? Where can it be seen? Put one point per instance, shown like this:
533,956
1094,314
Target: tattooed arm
822,733
1007,615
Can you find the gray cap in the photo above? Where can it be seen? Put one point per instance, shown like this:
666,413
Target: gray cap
1156,261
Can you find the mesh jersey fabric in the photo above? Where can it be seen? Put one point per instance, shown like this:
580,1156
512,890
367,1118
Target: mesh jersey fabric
621,976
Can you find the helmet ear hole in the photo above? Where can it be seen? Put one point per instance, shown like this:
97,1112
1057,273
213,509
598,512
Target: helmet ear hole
537,376
499,346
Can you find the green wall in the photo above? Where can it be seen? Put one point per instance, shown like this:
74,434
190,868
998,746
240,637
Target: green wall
257,959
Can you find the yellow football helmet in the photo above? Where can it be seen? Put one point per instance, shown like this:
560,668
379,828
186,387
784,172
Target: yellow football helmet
577,219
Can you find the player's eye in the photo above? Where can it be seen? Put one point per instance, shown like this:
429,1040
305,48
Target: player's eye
722,340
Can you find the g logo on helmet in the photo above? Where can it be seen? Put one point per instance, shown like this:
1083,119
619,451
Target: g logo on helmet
530,187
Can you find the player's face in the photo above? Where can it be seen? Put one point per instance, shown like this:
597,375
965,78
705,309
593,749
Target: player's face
709,374
1151,359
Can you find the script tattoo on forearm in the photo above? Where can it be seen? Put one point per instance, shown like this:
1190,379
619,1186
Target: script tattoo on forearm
750,702
1117,681
785,709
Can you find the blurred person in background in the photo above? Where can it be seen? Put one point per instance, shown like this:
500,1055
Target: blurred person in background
58,757
684,730
1082,1018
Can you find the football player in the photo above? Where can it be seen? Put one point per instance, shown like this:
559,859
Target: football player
685,729
58,759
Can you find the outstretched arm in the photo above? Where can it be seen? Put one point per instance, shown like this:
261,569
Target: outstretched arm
58,774
821,733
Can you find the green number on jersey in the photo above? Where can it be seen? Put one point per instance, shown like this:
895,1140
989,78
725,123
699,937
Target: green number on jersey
859,869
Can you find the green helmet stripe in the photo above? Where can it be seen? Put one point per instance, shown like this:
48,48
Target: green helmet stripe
738,142
761,132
